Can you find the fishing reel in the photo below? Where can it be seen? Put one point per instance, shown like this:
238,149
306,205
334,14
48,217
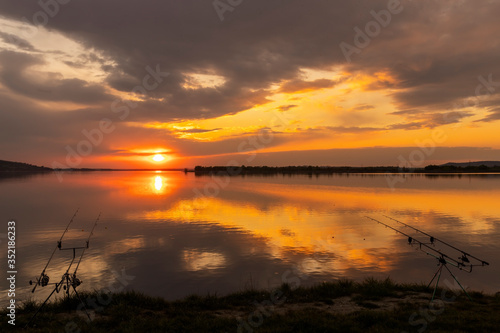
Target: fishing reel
74,281
43,280
464,258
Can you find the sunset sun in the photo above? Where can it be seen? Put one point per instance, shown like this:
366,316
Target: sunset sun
158,158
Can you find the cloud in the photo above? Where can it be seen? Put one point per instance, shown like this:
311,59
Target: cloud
493,115
199,130
284,108
295,86
427,60
429,120
188,38
363,107
21,77
16,41
344,129
290,35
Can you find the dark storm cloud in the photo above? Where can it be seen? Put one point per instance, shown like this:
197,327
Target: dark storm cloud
431,48
30,132
186,37
436,52
431,55
85,59
20,78
16,41
22,118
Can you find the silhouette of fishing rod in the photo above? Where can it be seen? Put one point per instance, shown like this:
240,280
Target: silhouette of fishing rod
67,280
43,279
412,240
465,256
442,258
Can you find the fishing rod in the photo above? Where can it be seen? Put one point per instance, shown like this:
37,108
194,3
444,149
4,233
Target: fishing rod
43,279
432,239
411,240
442,258
67,280
87,244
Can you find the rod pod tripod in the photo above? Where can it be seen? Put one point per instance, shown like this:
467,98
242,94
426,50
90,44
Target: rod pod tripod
67,280
465,262
442,263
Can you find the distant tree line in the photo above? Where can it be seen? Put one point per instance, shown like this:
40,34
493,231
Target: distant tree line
461,169
318,170
7,166
292,170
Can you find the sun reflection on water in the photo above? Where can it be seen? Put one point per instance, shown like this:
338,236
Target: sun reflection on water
158,183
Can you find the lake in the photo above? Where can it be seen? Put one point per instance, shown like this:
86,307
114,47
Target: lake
173,234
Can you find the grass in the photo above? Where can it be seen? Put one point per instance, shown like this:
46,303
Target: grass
304,309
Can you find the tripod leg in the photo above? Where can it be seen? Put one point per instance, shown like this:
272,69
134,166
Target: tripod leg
459,284
84,307
43,304
435,274
437,282
67,286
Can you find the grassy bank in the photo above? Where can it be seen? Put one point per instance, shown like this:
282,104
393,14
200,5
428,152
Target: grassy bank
342,306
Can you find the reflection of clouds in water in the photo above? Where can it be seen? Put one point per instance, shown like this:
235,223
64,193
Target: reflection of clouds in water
287,232
94,270
476,224
176,243
125,245
311,265
288,229
196,260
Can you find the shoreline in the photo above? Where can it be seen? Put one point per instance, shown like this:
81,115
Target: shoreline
327,170
343,305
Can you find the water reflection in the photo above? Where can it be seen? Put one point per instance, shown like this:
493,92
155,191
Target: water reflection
196,260
175,240
158,183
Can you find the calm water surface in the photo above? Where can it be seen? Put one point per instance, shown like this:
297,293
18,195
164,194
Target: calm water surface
175,234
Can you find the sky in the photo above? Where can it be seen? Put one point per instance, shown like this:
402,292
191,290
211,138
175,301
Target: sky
112,83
